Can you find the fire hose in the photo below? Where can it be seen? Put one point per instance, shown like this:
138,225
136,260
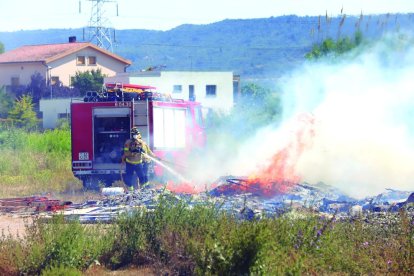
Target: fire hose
172,163
160,162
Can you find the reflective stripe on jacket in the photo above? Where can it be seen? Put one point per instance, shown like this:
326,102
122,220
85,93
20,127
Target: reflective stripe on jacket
133,162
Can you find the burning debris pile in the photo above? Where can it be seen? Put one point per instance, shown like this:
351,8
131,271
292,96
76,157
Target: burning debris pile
239,196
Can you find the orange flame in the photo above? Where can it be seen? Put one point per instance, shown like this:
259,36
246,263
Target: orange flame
277,177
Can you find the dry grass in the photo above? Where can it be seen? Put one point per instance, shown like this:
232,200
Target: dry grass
127,271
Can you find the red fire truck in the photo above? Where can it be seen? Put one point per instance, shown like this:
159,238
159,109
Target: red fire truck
100,126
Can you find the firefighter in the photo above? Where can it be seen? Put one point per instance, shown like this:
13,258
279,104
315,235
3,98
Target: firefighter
133,159
146,161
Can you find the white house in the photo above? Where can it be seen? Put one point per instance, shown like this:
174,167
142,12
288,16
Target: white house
213,89
53,110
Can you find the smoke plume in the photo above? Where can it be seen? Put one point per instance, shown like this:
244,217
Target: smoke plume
347,123
363,109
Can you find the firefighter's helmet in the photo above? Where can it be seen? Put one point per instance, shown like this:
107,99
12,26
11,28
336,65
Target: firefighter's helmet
135,130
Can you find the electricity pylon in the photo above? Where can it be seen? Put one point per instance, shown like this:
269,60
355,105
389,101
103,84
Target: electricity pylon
99,28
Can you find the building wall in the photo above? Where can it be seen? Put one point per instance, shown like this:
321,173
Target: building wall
165,81
23,71
66,67
53,109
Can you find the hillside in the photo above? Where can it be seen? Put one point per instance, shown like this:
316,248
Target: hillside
252,48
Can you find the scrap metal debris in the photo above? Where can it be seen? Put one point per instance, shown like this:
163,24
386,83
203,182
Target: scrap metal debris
235,195
32,204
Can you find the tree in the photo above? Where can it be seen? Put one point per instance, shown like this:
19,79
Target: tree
1,48
329,47
256,107
6,103
88,81
37,86
22,114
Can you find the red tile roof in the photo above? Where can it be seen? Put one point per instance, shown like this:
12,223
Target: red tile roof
50,52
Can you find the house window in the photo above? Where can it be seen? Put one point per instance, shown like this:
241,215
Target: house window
177,88
80,60
91,60
191,95
211,90
63,115
15,81
54,80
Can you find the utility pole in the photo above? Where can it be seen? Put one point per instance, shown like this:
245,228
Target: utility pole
99,28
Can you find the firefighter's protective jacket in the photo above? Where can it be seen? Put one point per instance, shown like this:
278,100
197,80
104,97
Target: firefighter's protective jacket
133,151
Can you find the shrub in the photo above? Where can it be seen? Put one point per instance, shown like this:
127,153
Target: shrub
61,243
61,270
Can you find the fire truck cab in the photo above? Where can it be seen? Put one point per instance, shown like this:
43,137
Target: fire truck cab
99,128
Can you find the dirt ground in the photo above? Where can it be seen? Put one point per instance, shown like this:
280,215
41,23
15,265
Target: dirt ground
13,225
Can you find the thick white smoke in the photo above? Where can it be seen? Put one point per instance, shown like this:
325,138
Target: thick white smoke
363,138
364,119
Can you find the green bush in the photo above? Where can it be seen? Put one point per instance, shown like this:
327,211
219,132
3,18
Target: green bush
61,270
62,243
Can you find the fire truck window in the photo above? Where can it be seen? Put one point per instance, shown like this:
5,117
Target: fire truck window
169,128
158,128
179,128
110,133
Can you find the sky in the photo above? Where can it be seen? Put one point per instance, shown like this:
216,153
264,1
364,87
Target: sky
167,14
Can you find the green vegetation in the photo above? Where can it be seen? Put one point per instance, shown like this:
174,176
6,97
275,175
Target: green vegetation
34,162
6,103
204,240
88,81
331,48
22,113
61,243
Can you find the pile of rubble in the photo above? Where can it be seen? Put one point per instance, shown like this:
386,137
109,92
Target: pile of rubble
246,203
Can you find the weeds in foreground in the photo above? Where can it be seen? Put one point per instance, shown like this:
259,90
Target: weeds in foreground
59,244
176,239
